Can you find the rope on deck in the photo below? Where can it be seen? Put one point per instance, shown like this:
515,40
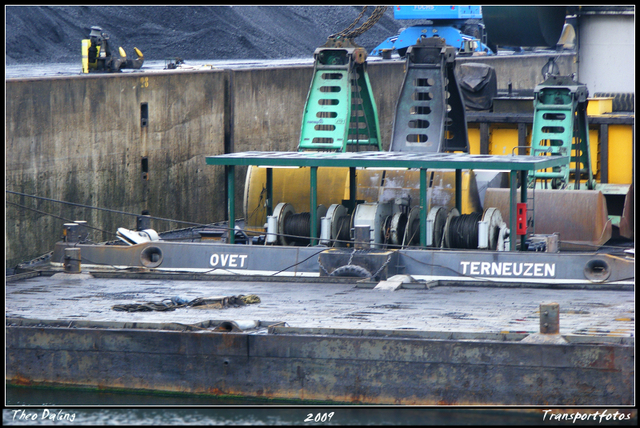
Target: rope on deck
201,303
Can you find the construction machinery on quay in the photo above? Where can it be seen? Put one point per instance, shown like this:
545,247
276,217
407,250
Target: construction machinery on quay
97,55
460,26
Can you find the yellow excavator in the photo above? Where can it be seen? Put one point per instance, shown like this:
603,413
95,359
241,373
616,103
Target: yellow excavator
97,55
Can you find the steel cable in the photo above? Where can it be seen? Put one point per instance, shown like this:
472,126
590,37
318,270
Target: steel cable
100,209
463,231
57,216
298,226
344,228
414,230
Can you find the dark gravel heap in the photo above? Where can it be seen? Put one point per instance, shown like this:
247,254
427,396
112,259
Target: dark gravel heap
42,34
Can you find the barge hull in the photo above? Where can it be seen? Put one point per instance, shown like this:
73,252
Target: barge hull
340,368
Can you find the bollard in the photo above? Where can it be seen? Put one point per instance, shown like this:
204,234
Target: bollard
72,260
549,318
325,231
143,222
549,327
83,230
272,229
552,243
362,239
70,232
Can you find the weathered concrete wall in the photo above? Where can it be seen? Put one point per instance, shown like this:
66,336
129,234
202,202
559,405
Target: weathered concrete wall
268,106
80,139
269,103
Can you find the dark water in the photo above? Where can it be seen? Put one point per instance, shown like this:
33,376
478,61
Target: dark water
41,406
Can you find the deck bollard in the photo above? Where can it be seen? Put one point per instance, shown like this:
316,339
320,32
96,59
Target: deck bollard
72,260
143,222
549,318
549,326
83,230
70,232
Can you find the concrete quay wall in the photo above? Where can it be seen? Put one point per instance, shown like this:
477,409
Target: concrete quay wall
137,141
80,140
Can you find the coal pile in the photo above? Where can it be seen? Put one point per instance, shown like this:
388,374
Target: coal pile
43,34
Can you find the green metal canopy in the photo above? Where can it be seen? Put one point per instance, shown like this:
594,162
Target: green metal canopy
388,160
382,160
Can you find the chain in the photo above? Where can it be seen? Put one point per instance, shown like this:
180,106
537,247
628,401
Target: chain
322,267
382,267
370,22
351,257
353,24
373,19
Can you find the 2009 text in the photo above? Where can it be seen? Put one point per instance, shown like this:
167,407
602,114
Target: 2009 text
319,417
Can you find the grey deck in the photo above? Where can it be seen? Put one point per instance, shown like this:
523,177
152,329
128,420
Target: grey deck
333,305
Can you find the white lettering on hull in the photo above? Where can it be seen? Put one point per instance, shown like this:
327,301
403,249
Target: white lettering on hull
515,269
228,260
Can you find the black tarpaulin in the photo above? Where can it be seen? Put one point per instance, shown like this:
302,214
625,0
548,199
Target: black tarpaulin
479,85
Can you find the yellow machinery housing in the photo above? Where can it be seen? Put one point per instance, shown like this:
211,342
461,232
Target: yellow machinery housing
292,186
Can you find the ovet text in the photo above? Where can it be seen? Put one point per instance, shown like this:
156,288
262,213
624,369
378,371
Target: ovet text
228,260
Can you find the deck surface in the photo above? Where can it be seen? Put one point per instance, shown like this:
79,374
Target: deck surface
333,305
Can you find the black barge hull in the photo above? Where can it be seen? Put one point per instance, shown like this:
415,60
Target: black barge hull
340,366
